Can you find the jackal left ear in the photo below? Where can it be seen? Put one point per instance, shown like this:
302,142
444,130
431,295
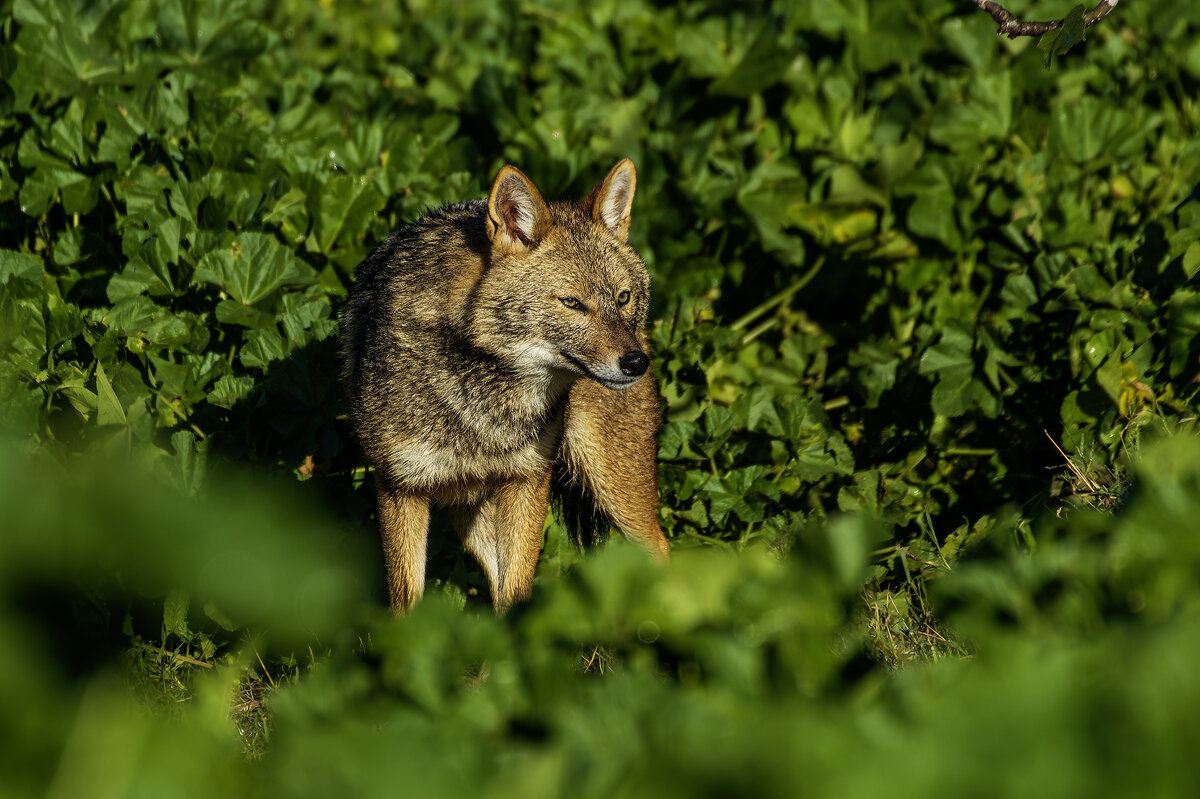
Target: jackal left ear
517,214
612,200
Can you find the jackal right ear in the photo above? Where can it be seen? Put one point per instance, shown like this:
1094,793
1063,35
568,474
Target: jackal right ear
612,201
517,214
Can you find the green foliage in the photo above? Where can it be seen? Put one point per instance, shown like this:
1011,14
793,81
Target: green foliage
1063,38
920,302
726,673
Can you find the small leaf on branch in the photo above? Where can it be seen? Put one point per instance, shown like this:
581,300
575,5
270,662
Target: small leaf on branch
1062,39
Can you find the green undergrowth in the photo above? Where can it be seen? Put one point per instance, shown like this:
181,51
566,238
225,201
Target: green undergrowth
927,327
723,672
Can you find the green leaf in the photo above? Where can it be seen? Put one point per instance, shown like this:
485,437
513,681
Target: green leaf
19,266
136,278
253,268
850,541
1063,38
132,315
767,195
973,39
175,611
879,364
763,63
818,450
39,190
1090,129
190,461
986,114
20,401
64,322
952,364
108,407
213,612
211,34
936,188
1183,332
229,390
263,347
342,208
1191,260
231,312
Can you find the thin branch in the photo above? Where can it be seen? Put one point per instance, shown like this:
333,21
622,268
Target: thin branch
1012,27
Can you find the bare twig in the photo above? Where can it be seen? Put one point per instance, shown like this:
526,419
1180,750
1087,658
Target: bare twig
266,672
1012,27
1075,470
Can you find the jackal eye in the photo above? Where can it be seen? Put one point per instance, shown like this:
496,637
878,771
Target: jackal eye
623,298
572,303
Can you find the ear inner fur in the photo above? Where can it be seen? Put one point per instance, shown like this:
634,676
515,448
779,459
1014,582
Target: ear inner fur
612,200
516,211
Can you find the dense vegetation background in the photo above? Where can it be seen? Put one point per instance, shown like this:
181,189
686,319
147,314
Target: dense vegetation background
928,319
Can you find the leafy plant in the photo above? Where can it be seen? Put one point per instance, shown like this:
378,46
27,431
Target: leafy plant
923,309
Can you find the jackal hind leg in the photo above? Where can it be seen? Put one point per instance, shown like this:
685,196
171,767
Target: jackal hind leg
504,533
404,530
608,444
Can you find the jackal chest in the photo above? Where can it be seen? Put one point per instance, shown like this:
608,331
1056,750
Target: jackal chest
432,459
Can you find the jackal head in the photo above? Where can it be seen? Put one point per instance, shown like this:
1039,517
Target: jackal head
563,293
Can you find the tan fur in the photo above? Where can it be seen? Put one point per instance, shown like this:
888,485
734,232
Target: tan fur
617,462
484,344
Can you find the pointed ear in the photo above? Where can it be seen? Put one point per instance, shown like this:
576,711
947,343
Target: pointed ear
517,214
612,200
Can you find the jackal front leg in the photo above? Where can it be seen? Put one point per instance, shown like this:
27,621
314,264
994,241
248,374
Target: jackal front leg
404,530
504,533
608,443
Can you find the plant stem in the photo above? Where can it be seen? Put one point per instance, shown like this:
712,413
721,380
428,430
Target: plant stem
779,298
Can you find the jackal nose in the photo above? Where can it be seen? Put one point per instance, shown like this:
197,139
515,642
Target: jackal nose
634,363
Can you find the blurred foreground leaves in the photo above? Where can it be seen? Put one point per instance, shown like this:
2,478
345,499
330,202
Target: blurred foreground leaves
719,674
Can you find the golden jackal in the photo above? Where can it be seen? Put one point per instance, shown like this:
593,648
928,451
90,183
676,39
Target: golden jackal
488,342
